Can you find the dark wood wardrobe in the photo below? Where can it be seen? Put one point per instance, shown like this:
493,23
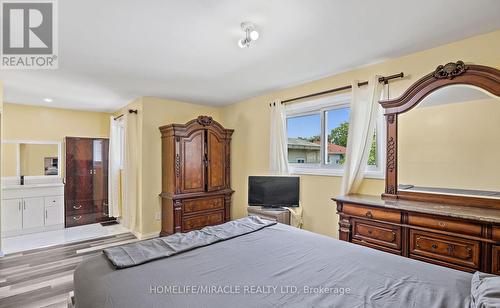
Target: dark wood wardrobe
86,181
196,186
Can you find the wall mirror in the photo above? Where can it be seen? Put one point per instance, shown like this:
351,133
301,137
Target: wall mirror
443,140
450,143
31,158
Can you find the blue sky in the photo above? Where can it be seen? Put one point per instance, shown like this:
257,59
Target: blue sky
308,126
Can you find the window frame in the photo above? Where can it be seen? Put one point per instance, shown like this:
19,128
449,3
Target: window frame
320,106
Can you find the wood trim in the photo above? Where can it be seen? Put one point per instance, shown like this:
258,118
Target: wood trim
484,77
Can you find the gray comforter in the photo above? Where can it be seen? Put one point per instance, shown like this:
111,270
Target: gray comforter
273,267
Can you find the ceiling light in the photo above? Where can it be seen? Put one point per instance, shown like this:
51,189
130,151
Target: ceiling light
48,100
251,34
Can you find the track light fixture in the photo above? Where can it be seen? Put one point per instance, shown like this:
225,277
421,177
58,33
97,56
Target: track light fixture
251,34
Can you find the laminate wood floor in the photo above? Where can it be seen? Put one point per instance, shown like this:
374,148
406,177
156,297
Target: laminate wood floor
44,277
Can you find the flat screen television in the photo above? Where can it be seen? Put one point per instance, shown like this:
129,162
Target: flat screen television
273,191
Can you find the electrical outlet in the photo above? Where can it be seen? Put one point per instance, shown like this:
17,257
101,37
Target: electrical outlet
158,215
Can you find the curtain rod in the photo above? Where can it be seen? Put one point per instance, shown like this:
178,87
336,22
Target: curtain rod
364,83
129,111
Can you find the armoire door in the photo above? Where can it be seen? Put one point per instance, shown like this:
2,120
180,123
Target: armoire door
79,169
100,148
192,162
216,168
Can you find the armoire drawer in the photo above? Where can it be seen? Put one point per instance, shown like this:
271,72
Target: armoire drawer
436,222
377,233
79,207
371,213
495,260
198,222
80,219
200,205
445,248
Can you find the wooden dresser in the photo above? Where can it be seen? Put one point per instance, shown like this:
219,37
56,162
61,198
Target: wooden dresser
461,237
196,186
448,211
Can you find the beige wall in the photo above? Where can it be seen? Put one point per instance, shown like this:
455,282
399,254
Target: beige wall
451,146
23,122
250,119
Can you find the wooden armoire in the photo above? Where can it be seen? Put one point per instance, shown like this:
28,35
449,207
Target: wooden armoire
86,181
196,186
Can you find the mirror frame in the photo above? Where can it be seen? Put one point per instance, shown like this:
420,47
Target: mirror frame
18,158
453,73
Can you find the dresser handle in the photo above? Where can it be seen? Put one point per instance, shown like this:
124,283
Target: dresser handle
369,214
77,207
394,235
77,217
434,246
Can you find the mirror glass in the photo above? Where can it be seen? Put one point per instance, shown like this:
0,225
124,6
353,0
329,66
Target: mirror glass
38,159
30,158
450,143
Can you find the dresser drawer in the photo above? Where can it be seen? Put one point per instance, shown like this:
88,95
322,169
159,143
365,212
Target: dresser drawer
495,261
377,233
435,222
496,233
198,222
200,205
371,213
445,248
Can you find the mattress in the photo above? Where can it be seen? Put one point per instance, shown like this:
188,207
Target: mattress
274,267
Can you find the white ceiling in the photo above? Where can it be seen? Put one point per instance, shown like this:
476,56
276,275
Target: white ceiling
116,50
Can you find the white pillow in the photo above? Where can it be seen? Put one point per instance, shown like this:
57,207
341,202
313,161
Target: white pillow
485,290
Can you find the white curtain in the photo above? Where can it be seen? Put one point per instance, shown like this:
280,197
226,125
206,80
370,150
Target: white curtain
362,123
131,172
114,168
278,154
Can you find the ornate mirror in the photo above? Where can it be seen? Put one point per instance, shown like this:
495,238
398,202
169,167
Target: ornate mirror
443,137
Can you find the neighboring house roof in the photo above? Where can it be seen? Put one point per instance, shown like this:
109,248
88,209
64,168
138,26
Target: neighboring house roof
296,143
335,149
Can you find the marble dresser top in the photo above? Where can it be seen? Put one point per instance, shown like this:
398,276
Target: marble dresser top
457,211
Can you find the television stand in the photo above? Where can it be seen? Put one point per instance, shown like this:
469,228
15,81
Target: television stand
277,214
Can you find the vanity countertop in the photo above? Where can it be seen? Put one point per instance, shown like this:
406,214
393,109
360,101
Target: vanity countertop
28,186
488,215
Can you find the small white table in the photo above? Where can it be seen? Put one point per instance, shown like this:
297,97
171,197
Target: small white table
278,215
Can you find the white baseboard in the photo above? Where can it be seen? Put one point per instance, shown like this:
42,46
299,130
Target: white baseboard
146,236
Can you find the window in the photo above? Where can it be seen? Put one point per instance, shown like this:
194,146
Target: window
317,138
304,134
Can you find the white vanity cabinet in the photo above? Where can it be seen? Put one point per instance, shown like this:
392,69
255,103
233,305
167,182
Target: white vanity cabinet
32,208
12,215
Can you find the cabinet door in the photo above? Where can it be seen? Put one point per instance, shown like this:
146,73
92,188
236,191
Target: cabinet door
33,212
100,150
12,215
216,162
54,211
79,169
192,162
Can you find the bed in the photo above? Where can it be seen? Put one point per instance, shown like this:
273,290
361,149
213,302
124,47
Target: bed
275,266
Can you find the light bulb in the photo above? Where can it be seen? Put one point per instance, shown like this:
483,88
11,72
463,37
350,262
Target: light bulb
242,43
254,35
